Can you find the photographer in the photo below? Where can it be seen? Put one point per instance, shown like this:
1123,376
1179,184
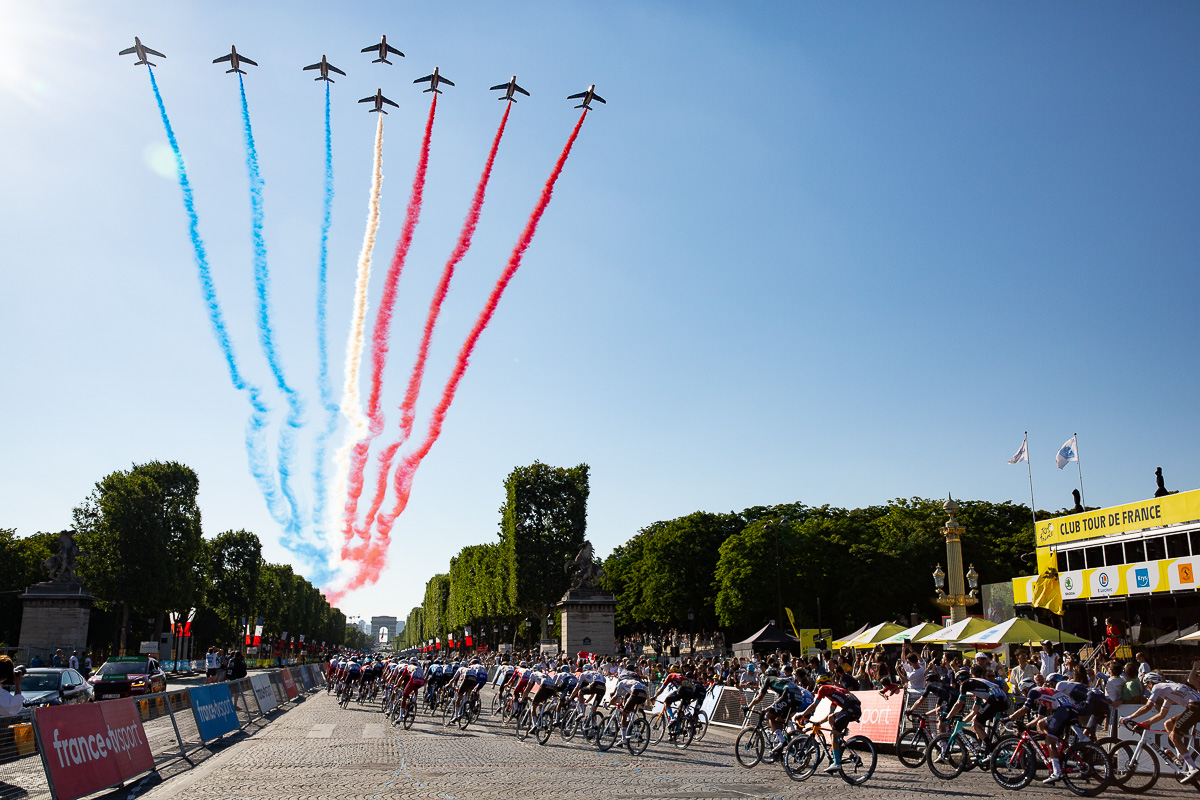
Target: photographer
11,700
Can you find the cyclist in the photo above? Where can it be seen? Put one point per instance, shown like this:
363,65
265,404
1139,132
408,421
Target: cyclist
788,701
591,684
846,709
542,687
991,699
1162,696
682,689
943,693
1060,713
565,683
630,694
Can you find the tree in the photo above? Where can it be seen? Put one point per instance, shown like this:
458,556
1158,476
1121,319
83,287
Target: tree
356,639
20,566
542,525
235,561
142,535
435,623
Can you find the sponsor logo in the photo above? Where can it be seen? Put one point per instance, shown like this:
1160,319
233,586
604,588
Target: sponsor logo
1185,574
1068,584
1142,576
1046,531
1104,579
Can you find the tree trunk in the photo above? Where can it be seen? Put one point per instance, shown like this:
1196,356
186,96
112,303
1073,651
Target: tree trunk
124,628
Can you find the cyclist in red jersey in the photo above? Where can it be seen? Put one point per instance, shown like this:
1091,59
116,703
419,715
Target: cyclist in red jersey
846,709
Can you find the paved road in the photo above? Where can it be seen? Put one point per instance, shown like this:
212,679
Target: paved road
319,751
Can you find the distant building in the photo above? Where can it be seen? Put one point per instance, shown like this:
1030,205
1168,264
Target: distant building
384,629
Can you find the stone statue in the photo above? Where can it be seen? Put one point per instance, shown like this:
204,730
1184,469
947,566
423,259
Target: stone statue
1078,509
61,566
1162,488
589,573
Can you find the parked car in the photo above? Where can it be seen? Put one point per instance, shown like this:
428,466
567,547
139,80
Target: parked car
128,676
53,686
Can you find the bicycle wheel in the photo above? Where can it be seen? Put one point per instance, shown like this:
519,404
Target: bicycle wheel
1134,770
476,708
591,730
912,747
524,724
545,726
410,714
446,714
464,718
639,736
858,760
570,726
1013,763
801,756
701,726
494,706
658,728
1086,769
687,731
607,736
748,749
946,758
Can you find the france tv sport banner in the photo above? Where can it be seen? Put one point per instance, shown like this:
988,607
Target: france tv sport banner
89,747
880,720
289,685
305,677
214,711
263,693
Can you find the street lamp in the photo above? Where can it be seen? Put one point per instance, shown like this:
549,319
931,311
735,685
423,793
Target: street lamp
939,578
957,599
691,642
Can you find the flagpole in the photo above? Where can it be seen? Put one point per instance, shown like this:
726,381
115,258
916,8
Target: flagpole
1029,469
1082,502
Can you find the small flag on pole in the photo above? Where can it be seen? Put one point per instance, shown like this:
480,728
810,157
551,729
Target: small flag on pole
1067,453
1022,453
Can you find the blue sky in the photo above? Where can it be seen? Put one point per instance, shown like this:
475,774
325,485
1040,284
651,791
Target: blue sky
828,253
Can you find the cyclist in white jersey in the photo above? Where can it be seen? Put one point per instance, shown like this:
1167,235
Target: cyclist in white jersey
1163,696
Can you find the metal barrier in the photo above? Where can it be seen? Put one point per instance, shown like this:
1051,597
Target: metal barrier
168,721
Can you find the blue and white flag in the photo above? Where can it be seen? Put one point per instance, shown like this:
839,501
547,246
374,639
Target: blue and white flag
1068,452
1022,454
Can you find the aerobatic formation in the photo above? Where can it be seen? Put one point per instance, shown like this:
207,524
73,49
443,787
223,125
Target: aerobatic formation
341,548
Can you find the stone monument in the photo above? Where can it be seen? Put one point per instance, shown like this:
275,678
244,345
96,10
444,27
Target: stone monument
588,612
55,613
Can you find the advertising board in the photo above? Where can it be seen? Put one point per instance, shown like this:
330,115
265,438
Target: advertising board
89,747
214,711
289,684
263,693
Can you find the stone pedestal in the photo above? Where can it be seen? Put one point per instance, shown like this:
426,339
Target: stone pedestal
55,616
588,622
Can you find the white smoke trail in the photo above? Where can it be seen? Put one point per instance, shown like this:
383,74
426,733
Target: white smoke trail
352,407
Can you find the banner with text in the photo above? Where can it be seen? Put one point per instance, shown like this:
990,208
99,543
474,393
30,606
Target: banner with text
263,693
214,710
289,684
87,748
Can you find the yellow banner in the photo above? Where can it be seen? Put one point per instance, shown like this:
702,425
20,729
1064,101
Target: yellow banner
1169,510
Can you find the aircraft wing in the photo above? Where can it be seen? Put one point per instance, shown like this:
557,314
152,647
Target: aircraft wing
370,99
148,50
576,96
598,98
389,102
369,48
446,81
522,91
494,88
332,68
228,57
426,78
129,50
391,49
245,60
315,66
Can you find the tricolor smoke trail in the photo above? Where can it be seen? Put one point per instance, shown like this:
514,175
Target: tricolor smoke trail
351,405
255,451
407,408
373,556
324,386
262,284
381,333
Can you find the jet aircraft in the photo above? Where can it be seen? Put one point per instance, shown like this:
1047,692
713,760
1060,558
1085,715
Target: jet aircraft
378,99
383,49
434,80
588,97
235,60
325,68
509,88
141,51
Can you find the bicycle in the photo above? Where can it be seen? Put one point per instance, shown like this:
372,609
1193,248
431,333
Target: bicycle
638,732
912,744
1136,763
803,753
750,747
948,754
539,724
1086,769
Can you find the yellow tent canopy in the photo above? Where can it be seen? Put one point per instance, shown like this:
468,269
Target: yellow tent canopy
874,635
912,634
1019,629
956,631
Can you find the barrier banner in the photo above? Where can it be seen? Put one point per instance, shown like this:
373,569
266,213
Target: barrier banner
214,711
289,685
263,693
881,716
306,678
90,747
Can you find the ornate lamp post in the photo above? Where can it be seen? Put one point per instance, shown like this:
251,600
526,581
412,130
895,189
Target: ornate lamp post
957,600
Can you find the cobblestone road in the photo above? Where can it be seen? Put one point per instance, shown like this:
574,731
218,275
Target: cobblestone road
321,751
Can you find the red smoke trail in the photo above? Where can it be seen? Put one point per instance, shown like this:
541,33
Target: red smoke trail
407,408
373,555
382,331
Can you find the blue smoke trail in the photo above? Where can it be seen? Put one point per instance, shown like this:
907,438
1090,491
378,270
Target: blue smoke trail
255,451
331,407
292,526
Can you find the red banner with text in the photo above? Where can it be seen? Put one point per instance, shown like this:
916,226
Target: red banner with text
86,748
289,685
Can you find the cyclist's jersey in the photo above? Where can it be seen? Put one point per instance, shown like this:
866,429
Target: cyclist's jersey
478,673
628,684
1173,694
504,674
565,681
537,677
415,671
984,691
590,676
840,697
354,670
1045,699
943,693
785,688
377,669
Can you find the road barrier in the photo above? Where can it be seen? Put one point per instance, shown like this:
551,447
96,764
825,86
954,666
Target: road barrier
89,747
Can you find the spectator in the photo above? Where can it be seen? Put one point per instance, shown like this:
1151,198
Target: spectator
1047,660
87,664
237,666
11,699
1143,665
36,662
1114,690
1133,684
211,664
57,660
222,666
74,662
1022,672
1112,633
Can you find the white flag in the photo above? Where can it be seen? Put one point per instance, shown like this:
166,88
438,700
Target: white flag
1068,452
1022,454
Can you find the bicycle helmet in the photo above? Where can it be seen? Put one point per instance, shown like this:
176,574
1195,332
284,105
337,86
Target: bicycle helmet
1152,678
1055,677
962,674
1027,686
474,662
823,680
772,672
